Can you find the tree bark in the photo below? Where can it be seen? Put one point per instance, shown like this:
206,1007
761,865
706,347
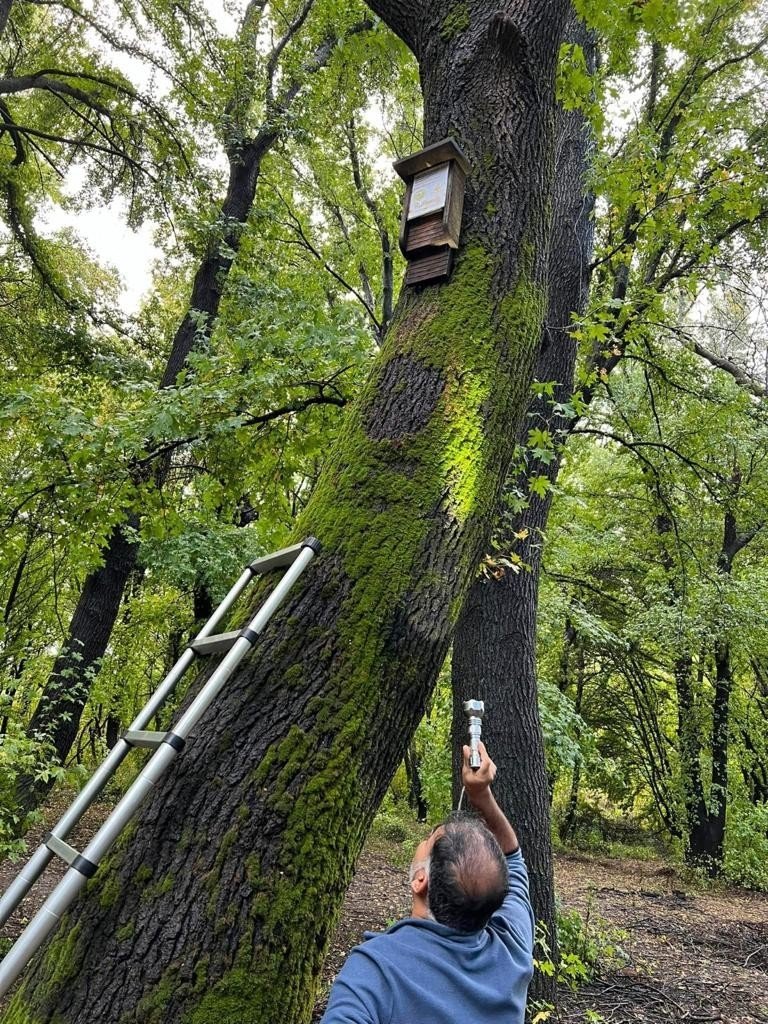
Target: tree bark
415,793
569,818
230,885
706,838
494,653
755,768
689,742
57,715
5,10
706,835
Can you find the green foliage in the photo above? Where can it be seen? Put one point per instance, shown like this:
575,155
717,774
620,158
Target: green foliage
746,857
19,755
634,574
636,560
433,748
588,946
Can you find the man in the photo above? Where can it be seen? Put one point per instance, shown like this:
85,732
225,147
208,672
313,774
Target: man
466,952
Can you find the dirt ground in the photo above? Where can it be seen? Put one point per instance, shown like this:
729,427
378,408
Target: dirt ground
690,954
695,955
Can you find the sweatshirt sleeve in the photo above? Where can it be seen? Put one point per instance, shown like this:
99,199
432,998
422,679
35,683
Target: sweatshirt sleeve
360,993
516,913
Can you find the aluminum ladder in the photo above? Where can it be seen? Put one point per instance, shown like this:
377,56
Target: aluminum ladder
167,746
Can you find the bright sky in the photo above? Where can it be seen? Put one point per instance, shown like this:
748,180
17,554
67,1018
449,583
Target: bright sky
105,232
104,229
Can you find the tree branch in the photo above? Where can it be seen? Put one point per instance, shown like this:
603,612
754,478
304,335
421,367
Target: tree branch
11,128
388,277
132,49
293,28
700,472
302,240
252,421
740,375
403,17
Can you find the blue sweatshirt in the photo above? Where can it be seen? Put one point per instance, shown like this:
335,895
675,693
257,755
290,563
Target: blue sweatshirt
421,972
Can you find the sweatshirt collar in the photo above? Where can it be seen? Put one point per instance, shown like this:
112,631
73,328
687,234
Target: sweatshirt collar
465,938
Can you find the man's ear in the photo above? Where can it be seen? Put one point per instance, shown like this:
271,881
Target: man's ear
419,883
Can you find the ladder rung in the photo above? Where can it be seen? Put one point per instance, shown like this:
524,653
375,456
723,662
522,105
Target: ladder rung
215,644
143,738
61,849
278,560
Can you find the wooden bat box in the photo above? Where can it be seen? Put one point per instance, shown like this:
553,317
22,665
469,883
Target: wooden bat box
430,229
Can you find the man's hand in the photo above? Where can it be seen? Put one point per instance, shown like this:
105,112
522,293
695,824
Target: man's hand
477,780
477,784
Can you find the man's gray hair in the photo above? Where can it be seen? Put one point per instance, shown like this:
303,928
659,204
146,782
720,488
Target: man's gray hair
468,877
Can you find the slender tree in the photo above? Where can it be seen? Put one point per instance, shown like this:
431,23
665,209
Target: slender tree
652,241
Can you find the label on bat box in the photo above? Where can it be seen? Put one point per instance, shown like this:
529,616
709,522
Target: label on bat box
430,191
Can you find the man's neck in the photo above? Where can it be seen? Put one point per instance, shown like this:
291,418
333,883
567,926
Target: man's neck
420,909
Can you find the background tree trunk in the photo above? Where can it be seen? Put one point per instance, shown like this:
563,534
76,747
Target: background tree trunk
494,651
706,836
60,707
58,712
229,888
568,823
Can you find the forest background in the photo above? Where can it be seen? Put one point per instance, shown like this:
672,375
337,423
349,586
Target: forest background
147,456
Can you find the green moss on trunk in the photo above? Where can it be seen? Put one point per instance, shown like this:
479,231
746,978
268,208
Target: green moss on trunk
475,342
456,22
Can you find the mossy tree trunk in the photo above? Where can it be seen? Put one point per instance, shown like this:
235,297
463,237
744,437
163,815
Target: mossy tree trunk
220,906
494,652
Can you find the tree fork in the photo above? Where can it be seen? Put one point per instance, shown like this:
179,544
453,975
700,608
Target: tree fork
228,890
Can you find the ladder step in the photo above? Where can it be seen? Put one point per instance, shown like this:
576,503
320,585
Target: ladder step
63,850
143,738
70,855
280,559
216,644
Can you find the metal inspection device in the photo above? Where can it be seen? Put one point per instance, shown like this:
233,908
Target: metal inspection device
474,710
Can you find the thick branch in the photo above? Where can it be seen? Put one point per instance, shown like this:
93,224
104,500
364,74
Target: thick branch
43,80
403,17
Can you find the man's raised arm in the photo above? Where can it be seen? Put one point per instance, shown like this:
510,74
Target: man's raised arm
477,784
